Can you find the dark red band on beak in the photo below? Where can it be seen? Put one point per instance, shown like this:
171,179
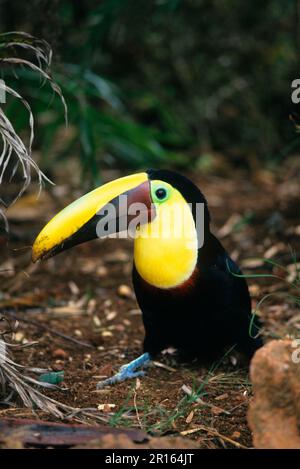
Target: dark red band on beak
140,195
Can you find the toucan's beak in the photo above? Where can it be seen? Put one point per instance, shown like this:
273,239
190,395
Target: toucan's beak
79,221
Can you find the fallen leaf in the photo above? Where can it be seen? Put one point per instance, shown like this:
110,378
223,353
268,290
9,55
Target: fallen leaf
137,384
106,370
217,410
60,353
252,263
96,321
106,407
227,228
273,250
189,417
111,315
222,397
116,257
124,291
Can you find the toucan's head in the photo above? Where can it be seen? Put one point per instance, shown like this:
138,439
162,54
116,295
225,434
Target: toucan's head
150,193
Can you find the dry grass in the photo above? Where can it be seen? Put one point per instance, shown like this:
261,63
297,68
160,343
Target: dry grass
15,47
19,49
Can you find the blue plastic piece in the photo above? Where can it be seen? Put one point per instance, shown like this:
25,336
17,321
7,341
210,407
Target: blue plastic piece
127,371
52,377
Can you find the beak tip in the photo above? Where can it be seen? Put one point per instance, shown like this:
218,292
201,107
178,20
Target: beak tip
36,253
34,257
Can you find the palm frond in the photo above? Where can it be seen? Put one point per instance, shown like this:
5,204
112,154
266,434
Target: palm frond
18,380
15,153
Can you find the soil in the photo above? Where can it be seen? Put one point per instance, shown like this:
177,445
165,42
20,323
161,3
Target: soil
86,294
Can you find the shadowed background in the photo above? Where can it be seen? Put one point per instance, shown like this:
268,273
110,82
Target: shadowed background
200,85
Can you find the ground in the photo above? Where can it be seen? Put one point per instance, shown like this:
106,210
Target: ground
86,294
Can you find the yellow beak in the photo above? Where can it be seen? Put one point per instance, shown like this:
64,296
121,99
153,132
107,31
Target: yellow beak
76,223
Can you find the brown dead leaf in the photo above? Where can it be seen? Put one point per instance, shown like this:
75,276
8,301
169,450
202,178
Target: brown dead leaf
222,397
106,407
189,417
116,257
111,315
137,384
34,299
227,228
255,290
252,263
217,410
7,269
30,207
60,353
68,309
106,370
273,250
124,291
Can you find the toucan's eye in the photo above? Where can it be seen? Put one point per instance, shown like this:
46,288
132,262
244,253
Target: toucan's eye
161,193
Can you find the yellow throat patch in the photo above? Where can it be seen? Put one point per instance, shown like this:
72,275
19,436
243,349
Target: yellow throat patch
166,250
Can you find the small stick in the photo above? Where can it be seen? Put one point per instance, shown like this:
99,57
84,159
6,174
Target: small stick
162,365
214,433
135,403
187,390
49,329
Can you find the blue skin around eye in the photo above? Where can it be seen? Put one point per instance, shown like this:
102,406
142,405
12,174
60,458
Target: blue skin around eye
127,371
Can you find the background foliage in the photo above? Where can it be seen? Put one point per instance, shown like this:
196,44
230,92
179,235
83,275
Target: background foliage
194,84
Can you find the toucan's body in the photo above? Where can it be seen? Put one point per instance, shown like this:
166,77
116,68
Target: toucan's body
191,294
200,318
210,310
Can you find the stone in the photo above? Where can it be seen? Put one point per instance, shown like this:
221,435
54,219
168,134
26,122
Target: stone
274,412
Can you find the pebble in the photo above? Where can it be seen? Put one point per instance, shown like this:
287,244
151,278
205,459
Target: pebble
124,291
60,353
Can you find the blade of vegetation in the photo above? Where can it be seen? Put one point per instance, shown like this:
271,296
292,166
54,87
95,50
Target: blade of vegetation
19,380
15,153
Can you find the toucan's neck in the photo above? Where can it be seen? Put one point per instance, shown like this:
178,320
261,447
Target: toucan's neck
166,260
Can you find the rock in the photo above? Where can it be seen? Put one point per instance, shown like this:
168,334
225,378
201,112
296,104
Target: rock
60,353
274,413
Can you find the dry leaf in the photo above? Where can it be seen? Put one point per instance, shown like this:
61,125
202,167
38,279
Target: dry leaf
189,417
217,410
252,263
222,397
226,229
111,315
96,321
106,407
137,384
273,250
124,291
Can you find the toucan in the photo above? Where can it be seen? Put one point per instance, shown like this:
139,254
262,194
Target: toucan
192,295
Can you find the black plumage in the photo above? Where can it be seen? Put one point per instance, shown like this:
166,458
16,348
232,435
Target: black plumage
211,311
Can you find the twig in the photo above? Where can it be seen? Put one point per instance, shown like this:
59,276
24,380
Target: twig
187,390
49,329
135,403
214,433
165,367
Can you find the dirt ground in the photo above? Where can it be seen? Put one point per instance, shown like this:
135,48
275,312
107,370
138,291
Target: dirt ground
86,294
